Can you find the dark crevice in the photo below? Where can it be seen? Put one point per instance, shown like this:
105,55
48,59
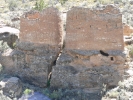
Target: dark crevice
111,87
62,41
111,58
103,53
54,64
50,70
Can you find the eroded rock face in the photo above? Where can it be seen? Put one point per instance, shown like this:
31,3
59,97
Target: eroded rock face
92,55
38,46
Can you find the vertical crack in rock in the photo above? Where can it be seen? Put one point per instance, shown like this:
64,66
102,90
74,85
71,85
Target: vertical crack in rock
62,25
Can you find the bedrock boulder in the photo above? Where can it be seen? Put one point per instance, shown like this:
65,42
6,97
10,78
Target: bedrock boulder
38,46
9,35
12,87
93,53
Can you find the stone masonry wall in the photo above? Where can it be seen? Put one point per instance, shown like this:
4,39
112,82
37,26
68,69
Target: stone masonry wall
92,54
92,28
38,46
42,28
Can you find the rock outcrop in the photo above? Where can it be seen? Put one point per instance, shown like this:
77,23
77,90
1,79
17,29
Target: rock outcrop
12,87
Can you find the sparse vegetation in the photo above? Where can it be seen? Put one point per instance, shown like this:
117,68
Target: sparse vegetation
14,45
62,1
130,50
1,68
12,4
40,5
3,46
28,91
48,83
55,94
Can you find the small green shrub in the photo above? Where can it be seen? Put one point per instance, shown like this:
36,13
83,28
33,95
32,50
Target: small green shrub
3,46
14,44
55,94
48,83
28,91
62,1
40,5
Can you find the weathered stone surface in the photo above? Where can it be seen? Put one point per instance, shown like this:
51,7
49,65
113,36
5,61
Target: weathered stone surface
99,60
7,61
127,30
92,55
88,29
74,70
12,87
33,66
41,27
38,46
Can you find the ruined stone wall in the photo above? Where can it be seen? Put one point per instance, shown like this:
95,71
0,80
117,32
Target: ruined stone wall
42,28
38,46
88,29
92,53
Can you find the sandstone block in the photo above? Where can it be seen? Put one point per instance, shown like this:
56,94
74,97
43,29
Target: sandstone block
41,27
94,29
99,60
120,60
